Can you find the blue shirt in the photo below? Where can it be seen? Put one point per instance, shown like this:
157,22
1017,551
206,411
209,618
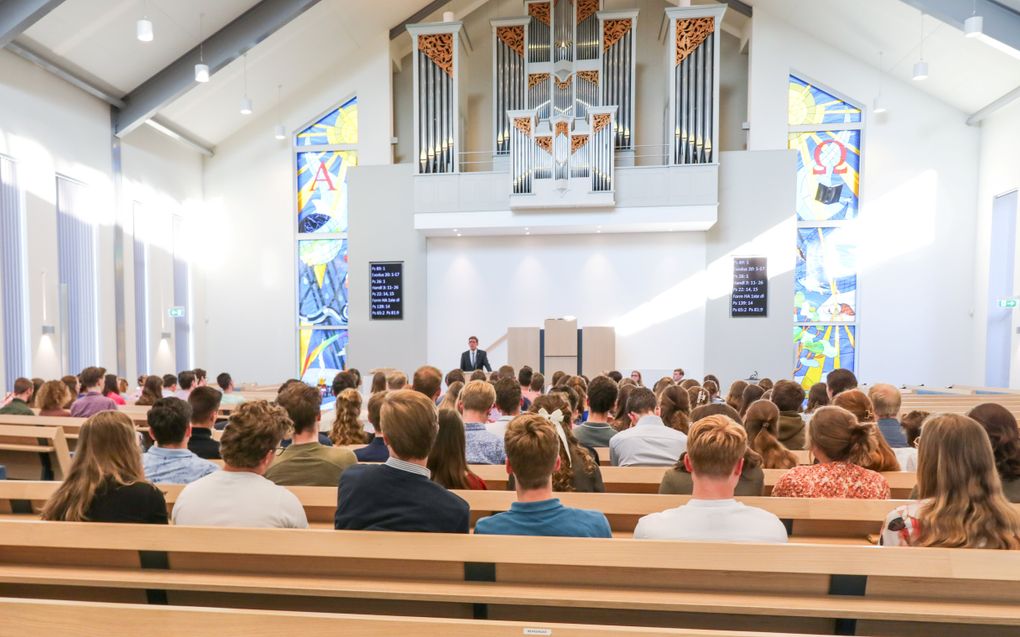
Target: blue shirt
483,446
892,432
174,466
374,451
545,517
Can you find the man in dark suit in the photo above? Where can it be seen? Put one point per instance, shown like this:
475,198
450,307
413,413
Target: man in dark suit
399,495
474,358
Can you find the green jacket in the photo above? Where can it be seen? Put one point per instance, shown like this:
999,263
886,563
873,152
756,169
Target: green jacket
17,407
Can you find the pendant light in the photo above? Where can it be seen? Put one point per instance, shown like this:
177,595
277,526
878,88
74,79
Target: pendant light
921,67
279,131
201,69
246,104
143,28
878,106
974,25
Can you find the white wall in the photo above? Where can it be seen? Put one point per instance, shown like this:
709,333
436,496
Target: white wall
918,194
52,128
249,258
999,173
483,285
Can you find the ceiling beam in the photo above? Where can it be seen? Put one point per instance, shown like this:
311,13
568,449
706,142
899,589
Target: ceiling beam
218,50
18,15
1000,23
740,7
417,16
62,73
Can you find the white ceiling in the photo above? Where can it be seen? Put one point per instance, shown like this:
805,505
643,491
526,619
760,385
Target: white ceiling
96,39
965,73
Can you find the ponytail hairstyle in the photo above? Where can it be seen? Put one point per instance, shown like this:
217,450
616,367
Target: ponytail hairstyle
347,430
699,396
675,408
712,388
857,402
574,454
836,433
957,479
735,394
762,424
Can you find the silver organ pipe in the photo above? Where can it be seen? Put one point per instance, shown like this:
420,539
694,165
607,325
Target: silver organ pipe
586,87
436,105
508,79
587,42
694,83
618,74
523,151
563,96
563,28
601,141
539,31
540,94
579,163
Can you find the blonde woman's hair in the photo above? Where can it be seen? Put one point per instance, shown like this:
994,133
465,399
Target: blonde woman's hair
449,400
347,429
107,455
956,476
52,395
762,424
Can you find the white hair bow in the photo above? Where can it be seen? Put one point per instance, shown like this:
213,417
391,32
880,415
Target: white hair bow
556,418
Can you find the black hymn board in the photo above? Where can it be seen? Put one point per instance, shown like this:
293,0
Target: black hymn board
387,290
750,295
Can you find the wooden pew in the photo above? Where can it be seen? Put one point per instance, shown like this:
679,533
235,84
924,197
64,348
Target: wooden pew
794,588
803,456
647,479
87,619
829,521
34,453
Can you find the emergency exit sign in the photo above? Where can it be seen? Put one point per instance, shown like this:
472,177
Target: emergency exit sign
176,312
1008,304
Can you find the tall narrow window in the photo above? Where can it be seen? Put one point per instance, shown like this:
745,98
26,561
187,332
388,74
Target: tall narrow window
13,299
182,296
825,130
322,154
141,260
76,244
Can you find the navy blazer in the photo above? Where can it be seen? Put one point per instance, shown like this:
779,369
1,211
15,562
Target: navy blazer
481,361
381,498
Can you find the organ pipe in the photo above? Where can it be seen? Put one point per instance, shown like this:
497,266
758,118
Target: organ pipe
694,83
437,104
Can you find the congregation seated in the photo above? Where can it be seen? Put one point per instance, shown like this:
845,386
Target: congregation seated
111,389
648,442
428,380
962,504
169,385
838,381
817,397
596,431
93,401
534,447
448,457
347,428
715,457
841,446
170,460
675,408
378,383
226,384
152,390
508,404
1001,426
240,495
106,482
186,383
887,401
73,389
18,401
483,446
375,450
788,397
205,404
525,378
399,495
307,462
579,467
51,398
750,394
396,380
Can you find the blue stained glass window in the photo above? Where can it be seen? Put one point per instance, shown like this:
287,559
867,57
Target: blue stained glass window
322,190
828,174
323,353
322,282
825,276
822,349
811,105
339,126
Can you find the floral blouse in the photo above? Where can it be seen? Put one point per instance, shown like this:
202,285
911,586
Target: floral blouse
832,480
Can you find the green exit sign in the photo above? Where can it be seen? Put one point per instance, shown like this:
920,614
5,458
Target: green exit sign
176,312
1008,303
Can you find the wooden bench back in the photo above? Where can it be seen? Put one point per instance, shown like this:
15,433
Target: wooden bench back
796,587
34,453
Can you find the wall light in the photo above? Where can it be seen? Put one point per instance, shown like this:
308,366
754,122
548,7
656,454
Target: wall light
49,329
165,336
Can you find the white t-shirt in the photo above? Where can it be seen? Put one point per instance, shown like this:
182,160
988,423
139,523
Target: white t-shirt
907,457
499,426
712,521
238,498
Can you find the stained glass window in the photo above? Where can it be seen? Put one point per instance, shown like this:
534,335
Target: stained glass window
323,152
821,349
322,190
828,174
322,282
812,105
825,131
322,354
339,126
825,276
